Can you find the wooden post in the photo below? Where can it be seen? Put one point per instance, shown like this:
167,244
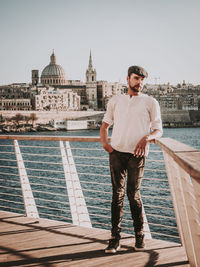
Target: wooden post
180,208
175,191
79,211
29,201
193,212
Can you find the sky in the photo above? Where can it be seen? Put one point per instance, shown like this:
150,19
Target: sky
160,35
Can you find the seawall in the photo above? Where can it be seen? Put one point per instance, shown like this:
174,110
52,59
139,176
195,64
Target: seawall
170,118
45,116
180,118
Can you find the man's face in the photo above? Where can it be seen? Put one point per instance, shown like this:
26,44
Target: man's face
135,82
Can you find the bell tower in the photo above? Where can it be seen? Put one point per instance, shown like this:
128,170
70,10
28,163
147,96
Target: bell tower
35,77
91,85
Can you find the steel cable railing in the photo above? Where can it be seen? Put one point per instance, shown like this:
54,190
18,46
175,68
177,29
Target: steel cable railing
44,168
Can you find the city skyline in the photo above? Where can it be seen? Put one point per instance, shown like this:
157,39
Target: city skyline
160,36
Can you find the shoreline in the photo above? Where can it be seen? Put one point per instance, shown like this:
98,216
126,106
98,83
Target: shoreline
39,121
24,128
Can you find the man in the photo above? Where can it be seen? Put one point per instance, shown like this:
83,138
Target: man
136,122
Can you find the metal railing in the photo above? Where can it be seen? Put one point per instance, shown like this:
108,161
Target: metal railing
68,179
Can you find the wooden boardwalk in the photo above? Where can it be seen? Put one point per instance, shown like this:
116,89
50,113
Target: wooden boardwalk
29,242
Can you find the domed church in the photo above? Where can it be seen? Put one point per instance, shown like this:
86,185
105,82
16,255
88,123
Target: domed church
53,74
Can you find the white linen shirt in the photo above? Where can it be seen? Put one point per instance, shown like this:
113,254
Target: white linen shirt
132,118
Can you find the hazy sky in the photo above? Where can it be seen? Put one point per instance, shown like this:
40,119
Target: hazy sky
161,35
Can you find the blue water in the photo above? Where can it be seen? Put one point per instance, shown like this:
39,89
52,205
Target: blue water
89,181
189,136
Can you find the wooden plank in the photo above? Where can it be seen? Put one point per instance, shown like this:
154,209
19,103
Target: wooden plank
172,145
187,157
190,162
54,243
175,191
192,213
51,138
180,206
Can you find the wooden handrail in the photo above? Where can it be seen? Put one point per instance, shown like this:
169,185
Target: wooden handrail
183,171
186,156
52,138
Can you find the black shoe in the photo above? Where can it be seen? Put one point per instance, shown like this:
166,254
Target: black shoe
139,242
113,246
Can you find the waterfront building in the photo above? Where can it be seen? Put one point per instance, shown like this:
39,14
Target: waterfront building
15,104
181,97
81,91
14,91
93,94
105,90
56,100
54,75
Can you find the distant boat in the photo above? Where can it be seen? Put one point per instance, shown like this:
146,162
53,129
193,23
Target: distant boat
71,125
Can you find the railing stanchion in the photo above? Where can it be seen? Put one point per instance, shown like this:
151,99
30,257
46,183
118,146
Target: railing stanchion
147,231
79,211
29,201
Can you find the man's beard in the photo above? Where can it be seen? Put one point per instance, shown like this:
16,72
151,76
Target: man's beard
135,88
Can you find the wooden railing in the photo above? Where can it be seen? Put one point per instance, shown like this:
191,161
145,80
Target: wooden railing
183,169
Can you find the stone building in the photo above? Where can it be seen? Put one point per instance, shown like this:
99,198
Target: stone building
93,94
15,104
35,77
91,85
105,90
180,97
16,90
53,74
56,100
15,97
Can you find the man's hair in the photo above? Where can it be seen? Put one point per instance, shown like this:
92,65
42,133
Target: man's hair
137,70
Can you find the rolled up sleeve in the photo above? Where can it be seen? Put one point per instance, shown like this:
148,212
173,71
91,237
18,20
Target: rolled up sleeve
109,115
155,115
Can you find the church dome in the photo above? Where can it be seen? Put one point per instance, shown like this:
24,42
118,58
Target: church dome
53,70
53,74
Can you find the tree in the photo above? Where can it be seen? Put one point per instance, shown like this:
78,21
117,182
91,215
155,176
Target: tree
1,118
27,119
18,117
33,118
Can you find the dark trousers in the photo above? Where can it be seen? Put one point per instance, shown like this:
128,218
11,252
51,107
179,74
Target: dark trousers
124,165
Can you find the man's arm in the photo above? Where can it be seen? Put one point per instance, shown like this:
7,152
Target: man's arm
141,147
156,127
104,137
